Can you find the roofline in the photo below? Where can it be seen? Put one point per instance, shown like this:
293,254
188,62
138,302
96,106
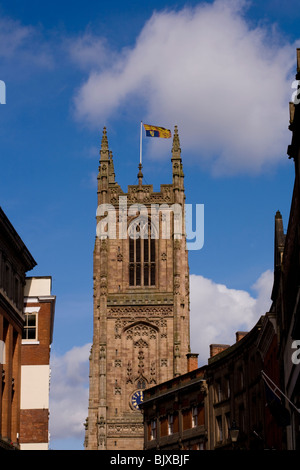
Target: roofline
16,241
223,355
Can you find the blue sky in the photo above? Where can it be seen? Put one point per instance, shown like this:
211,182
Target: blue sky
222,72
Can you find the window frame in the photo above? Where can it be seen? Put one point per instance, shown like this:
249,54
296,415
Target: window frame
153,429
170,424
220,430
194,416
34,313
142,254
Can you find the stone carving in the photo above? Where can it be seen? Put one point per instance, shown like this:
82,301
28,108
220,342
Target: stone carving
141,358
103,285
116,429
140,344
102,353
141,311
129,373
117,388
153,373
117,330
103,245
141,330
176,286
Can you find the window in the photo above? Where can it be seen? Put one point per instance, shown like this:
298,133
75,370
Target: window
30,327
228,425
241,378
2,352
218,390
228,386
17,292
7,280
194,416
219,429
170,424
153,430
142,256
141,383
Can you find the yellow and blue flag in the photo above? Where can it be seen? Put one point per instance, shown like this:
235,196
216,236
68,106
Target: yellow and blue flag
155,131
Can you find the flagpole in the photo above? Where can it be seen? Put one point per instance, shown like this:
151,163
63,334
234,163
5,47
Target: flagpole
266,378
141,137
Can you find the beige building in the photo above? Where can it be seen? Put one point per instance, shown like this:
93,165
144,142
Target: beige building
141,300
39,308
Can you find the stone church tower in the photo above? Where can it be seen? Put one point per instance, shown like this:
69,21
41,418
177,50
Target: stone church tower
141,331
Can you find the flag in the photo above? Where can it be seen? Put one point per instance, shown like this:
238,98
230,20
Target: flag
277,409
154,131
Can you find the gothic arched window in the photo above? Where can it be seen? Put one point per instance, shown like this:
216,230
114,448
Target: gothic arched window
142,254
141,383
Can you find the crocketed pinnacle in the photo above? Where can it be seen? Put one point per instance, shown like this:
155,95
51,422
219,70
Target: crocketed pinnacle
104,152
176,142
104,143
111,170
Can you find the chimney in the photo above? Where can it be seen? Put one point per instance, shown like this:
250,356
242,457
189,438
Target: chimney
240,334
217,348
192,361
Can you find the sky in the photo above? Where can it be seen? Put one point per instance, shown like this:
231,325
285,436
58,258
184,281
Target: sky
223,72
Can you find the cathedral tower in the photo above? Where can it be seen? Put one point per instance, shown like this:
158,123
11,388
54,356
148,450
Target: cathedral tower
141,300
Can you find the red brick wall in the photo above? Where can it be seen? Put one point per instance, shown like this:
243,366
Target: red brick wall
39,354
10,393
37,432
217,348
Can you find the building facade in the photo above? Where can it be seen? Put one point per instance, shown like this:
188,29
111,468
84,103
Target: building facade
175,413
202,409
141,300
15,262
39,310
286,289
237,393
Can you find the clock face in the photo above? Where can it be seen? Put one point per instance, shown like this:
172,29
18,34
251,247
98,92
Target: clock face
136,399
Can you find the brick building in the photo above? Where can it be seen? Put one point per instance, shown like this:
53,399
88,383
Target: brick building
15,262
236,392
39,309
286,290
175,413
199,409
141,300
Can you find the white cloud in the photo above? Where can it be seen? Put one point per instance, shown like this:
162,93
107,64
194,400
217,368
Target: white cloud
69,393
23,46
218,312
206,69
88,50
263,287
12,36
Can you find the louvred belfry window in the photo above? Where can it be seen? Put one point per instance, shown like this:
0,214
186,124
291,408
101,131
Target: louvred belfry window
142,254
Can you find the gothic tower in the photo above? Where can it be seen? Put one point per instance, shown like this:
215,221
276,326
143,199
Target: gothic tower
141,331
